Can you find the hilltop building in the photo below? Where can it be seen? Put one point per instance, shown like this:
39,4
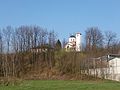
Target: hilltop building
74,43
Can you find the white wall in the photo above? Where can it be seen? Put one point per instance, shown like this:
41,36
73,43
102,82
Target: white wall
72,39
114,69
112,72
78,42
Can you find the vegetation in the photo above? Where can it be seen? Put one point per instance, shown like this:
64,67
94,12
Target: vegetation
64,85
31,52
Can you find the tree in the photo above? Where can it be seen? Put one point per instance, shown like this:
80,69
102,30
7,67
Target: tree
1,42
64,42
58,45
94,38
1,53
110,38
51,38
7,36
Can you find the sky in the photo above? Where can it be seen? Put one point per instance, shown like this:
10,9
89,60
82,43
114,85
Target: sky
65,17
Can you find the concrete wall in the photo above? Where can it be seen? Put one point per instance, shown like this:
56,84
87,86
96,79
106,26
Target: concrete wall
112,72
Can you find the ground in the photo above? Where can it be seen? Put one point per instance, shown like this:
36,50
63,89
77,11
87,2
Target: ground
63,85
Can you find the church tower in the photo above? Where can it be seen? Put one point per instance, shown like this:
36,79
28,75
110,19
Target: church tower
78,42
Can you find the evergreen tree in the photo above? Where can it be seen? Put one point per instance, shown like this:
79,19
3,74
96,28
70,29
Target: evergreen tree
58,45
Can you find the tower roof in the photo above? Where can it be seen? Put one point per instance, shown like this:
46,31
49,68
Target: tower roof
78,33
72,36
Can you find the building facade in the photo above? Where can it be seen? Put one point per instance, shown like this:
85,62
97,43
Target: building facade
110,67
74,43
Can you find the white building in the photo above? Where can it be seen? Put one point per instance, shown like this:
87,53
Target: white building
74,43
114,68
112,71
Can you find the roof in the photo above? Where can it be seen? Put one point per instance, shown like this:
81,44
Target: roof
107,57
114,55
72,36
78,33
43,46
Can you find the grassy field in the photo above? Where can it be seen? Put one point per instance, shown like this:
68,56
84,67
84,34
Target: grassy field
63,85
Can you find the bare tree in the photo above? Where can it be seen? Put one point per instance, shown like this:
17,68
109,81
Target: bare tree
7,36
52,38
110,38
64,42
1,53
94,38
42,36
1,42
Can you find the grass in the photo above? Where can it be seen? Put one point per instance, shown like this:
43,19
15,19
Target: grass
63,85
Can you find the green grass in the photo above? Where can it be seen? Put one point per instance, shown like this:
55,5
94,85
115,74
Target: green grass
63,85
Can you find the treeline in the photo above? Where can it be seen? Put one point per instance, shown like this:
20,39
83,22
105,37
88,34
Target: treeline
105,41
24,37
32,49
16,45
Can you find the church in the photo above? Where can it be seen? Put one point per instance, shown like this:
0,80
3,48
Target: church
74,43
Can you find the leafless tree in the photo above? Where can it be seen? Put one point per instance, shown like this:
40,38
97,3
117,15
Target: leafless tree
110,38
64,42
94,38
52,38
7,37
1,53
